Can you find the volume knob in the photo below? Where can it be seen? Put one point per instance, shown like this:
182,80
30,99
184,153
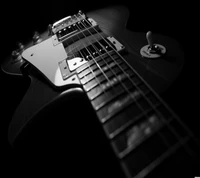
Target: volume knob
36,38
20,47
15,54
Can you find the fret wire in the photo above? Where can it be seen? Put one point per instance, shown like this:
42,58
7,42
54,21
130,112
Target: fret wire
124,61
125,86
93,60
170,127
165,140
130,67
100,55
148,87
129,123
114,60
89,64
160,159
188,150
83,57
179,138
128,150
91,52
176,118
127,90
137,87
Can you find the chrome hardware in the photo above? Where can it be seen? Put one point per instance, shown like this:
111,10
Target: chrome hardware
36,38
75,63
20,47
80,12
152,50
116,43
67,21
149,37
15,54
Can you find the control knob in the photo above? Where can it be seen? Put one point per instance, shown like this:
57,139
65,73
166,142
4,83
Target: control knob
36,38
20,47
16,54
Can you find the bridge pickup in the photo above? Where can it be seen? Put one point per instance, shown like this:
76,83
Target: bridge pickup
65,34
70,25
93,51
73,33
67,21
71,29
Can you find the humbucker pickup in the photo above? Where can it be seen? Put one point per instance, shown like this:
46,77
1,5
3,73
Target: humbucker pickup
67,21
70,25
97,51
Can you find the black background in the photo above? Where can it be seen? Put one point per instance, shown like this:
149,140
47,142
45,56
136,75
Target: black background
179,20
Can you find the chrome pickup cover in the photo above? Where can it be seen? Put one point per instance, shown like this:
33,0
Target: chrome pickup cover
67,21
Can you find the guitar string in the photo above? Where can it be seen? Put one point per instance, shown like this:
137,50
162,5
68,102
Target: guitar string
136,101
96,63
127,90
111,56
101,54
171,128
142,109
91,55
168,124
82,55
149,66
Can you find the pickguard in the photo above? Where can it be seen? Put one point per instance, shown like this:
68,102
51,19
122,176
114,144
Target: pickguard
57,59
45,57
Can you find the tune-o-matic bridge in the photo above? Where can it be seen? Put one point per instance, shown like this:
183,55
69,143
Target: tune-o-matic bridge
70,25
67,21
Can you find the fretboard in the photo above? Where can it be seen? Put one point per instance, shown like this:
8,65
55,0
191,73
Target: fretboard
142,129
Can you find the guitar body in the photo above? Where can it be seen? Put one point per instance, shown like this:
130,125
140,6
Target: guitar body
159,73
55,120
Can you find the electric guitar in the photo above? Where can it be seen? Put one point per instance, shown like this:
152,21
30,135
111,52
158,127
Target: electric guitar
121,74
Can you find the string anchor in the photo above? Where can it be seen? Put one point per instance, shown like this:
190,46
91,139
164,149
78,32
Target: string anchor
152,50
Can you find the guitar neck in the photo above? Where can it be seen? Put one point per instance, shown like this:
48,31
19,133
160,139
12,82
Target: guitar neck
135,119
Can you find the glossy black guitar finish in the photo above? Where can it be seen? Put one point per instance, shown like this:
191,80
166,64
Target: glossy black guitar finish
129,127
